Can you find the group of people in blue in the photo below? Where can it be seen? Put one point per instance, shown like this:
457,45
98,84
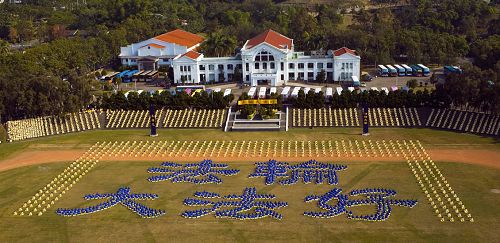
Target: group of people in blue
123,197
310,171
250,204
204,172
373,196
239,205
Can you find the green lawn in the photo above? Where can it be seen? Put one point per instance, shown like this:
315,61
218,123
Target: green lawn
472,183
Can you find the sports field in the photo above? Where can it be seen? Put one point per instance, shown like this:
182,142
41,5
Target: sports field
470,164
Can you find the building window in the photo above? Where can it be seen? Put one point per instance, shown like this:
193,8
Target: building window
310,76
189,68
329,65
238,66
291,76
282,66
211,67
329,76
301,65
291,65
257,65
165,60
247,68
229,66
247,77
350,65
202,67
264,56
310,65
320,65
272,65
203,78
220,67
211,77
301,76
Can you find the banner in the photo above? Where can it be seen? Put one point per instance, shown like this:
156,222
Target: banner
152,119
366,121
258,102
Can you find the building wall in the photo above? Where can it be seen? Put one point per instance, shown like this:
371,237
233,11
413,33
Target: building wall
346,65
301,68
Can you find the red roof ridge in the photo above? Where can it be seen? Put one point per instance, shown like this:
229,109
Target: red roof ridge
271,37
181,37
191,54
343,50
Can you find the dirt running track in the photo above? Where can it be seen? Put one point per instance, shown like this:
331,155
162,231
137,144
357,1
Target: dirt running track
482,157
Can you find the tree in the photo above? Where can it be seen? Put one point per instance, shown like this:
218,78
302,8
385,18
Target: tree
412,83
219,44
321,77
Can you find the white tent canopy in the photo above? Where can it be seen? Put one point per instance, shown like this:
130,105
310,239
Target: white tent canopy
339,90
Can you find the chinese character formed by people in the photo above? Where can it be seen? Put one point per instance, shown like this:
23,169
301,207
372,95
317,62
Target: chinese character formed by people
197,173
123,197
248,205
375,196
310,171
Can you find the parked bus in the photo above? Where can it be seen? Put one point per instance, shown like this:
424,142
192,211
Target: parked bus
408,69
136,76
392,71
108,77
382,71
425,70
127,78
451,69
151,76
120,75
401,70
417,71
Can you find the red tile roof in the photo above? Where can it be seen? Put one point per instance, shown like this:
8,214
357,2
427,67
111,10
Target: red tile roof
192,54
343,51
271,37
181,37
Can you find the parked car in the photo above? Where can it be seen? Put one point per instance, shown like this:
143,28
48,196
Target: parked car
366,77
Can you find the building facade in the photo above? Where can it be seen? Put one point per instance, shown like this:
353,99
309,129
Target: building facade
268,58
160,50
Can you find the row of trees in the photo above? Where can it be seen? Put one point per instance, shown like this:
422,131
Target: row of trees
53,78
181,100
436,98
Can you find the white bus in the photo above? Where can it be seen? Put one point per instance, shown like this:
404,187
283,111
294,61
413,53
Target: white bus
382,71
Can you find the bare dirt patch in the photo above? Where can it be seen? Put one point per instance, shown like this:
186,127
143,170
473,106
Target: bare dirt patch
483,157
39,157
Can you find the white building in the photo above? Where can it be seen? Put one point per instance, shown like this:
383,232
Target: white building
159,50
268,58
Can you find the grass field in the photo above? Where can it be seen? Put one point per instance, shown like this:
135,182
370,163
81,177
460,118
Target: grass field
472,183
